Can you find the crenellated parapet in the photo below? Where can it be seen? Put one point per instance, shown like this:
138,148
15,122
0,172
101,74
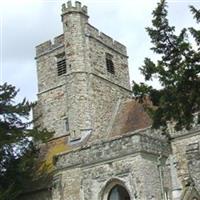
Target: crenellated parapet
94,33
48,46
113,149
69,8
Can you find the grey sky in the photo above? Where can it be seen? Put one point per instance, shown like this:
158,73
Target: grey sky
27,23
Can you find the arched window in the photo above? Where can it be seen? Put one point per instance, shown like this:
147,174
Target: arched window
118,192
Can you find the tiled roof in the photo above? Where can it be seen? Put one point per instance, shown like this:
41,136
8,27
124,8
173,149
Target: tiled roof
131,116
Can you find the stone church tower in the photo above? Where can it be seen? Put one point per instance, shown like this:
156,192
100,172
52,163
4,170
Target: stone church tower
82,78
103,147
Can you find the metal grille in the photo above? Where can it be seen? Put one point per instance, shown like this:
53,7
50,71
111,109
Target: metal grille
61,67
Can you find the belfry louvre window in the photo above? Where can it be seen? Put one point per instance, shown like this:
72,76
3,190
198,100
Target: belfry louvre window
61,67
61,64
109,63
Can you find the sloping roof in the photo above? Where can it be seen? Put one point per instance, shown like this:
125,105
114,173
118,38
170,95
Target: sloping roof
131,116
51,148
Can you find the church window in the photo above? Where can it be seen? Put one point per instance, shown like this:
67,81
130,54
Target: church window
66,124
109,63
118,192
61,64
61,67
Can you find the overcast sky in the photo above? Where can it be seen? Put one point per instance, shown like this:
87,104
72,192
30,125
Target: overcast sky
27,23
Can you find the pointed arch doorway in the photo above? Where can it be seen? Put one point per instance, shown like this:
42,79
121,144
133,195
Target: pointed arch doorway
118,192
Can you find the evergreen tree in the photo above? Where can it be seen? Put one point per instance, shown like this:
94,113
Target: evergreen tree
177,70
18,152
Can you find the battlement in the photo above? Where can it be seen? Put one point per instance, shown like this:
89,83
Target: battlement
68,8
103,151
106,40
49,45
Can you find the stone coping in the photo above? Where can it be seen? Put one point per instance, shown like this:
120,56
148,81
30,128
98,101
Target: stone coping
106,40
177,135
113,149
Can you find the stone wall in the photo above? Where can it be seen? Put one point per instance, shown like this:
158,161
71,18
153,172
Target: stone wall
179,144
51,110
99,45
107,91
47,71
88,95
78,103
193,157
106,40
106,150
96,179
106,99
131,160
67,185
49,46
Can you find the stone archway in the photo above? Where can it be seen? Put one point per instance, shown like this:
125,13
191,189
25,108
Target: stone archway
115,189
118,192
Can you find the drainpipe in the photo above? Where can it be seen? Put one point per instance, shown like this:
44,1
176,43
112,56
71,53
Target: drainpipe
160,170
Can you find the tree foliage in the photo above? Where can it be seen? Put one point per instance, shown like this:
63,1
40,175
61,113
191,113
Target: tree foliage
18,152
177,70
